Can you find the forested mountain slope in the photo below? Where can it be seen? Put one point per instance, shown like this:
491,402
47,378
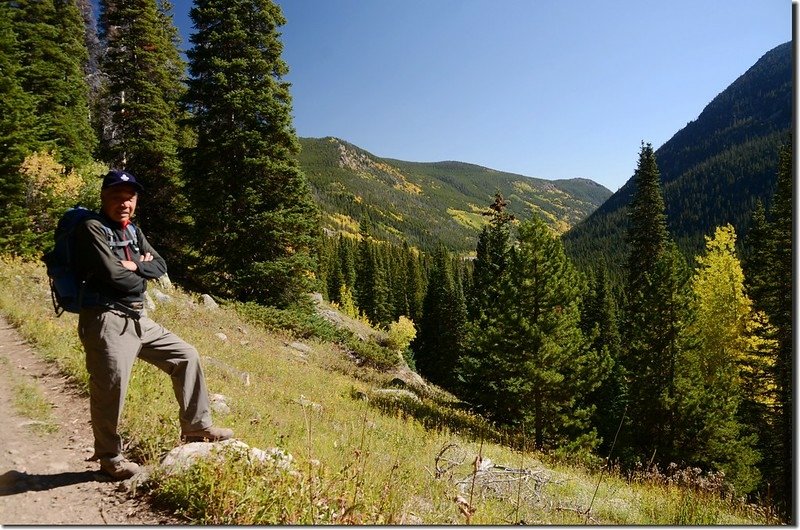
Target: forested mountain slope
429,203
713,170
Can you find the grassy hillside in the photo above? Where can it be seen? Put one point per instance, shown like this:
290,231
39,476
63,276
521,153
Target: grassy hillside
713,170
427,203
360,454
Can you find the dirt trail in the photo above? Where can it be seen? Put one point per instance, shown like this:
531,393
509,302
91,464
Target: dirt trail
45,478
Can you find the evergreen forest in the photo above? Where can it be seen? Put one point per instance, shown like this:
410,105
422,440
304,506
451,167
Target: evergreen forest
642,329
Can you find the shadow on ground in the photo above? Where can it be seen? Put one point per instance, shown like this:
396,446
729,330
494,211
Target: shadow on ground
15,482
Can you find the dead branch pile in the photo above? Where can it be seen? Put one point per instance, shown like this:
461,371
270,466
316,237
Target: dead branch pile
488,479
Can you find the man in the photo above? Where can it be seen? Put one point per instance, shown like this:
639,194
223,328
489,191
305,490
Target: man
115,330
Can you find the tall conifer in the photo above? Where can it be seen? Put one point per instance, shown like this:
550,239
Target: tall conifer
770,279
656,313
779,309
492,251
371,283
439,342
415,284
17,139
761,406
599,324
255,218
144,81
527,361
50,37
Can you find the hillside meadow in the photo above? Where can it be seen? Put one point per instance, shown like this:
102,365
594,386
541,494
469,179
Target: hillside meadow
357,457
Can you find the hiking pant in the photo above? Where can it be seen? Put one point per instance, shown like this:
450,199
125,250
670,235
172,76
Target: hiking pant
112,341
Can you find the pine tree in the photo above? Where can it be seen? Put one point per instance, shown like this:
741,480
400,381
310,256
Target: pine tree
655,340
398,282
17,139
333,278
770,278
758,254
415,284
647,219
255,218
492,251
761,404
779,309
91,69
439,342
372,289
347,260
381,288
144,82
657,312
599,324
50,37
527,360
337,266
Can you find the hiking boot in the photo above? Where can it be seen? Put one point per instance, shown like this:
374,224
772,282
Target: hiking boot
119,467
209,434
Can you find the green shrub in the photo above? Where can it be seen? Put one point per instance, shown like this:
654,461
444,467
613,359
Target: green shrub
300,321
372,353
408,355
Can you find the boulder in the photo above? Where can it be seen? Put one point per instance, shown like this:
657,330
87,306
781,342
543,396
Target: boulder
342,321
299,346
165,282
405,377
227,370
183,456
161,297
396,394
208,301
219,404
149,304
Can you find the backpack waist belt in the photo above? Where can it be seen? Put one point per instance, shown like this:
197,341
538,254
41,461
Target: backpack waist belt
132,309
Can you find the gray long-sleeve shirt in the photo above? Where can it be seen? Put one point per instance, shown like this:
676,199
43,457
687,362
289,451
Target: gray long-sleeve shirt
100,265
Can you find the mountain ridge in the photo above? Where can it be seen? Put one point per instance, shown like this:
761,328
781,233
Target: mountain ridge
428,203
713,170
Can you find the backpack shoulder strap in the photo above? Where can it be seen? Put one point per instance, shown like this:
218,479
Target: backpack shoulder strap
113,242
133,236
111,238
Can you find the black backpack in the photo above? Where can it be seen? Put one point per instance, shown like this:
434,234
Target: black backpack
67,290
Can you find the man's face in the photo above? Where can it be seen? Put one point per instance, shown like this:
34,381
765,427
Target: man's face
119,202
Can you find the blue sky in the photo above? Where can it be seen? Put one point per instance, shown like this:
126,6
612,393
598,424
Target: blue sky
544,88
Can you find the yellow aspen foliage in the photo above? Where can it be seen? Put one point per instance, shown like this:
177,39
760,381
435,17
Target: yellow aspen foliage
729,328
401,333
51,188
348,305
758,364
48,187
47,180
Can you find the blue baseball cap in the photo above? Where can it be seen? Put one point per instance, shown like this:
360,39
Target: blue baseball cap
115,177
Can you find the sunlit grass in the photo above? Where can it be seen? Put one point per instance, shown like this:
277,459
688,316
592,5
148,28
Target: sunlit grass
30,403
356,458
